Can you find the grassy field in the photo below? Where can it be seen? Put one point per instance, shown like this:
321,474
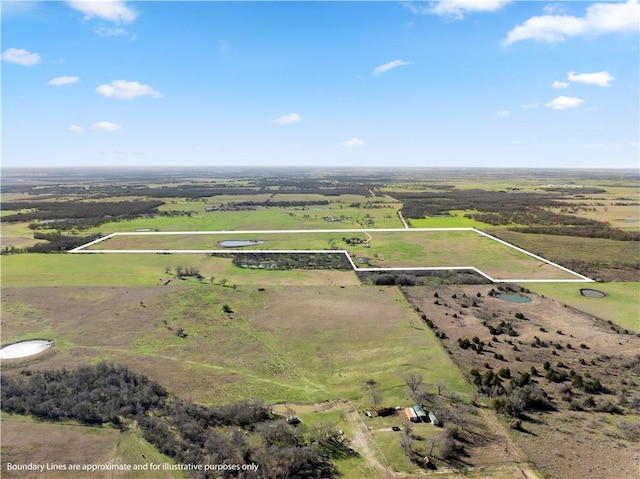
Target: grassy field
456,220
619,306
273,241
148,270
285,344
388,249
566,249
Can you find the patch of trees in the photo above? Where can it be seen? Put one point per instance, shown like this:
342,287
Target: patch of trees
64,213
595,229
424,277
56,243
418,205
510,208
240,433
292,261
515,398
268,203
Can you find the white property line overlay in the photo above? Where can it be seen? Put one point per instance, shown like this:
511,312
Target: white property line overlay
583,279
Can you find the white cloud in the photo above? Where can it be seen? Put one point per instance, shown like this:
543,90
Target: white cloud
58,81
530,106
353,142
602,78
105,31
503,113
564,102
112,10
105,126
126,90
554,9
75,129
388,66
457,8
560,84
21,57
600,18
288,119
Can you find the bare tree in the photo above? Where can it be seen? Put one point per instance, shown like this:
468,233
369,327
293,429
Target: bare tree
447,444
407,439
416,388
439,387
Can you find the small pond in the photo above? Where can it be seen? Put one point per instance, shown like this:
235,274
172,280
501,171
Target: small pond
513,297
24,349
592,293
239,243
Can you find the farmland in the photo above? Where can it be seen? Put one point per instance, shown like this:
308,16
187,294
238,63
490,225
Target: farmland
329,343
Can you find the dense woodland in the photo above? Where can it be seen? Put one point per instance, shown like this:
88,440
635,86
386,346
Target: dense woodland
245,432
69,214
512,208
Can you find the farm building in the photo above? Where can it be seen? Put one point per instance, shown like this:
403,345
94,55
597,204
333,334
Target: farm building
434,419
411,414
422,416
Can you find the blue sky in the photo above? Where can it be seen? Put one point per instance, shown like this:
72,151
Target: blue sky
483,83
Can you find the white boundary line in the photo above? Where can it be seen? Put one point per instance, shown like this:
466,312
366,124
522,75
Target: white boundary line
583,279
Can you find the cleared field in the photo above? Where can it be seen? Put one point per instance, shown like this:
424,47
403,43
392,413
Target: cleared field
619,306
456,220
283,344
386,249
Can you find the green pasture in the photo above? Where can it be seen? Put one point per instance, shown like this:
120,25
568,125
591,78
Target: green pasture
259,219
148,269
300,344
619,306
387,249
281,241
456,248
568,248
456,220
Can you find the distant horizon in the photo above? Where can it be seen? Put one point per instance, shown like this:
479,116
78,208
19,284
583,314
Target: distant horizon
493,84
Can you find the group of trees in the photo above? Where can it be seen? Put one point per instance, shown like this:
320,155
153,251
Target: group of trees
292,260
240,433
512,208
78,214
55,243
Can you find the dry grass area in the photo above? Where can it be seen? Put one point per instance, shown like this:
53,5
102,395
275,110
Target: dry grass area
561,442
25,442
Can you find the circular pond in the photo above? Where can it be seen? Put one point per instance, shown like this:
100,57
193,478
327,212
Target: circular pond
513,298
239,243
24,349
592,293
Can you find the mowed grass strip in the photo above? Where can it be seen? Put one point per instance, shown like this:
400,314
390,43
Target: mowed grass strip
621,305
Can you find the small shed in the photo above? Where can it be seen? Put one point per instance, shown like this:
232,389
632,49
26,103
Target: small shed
434,419
411,414
422,416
